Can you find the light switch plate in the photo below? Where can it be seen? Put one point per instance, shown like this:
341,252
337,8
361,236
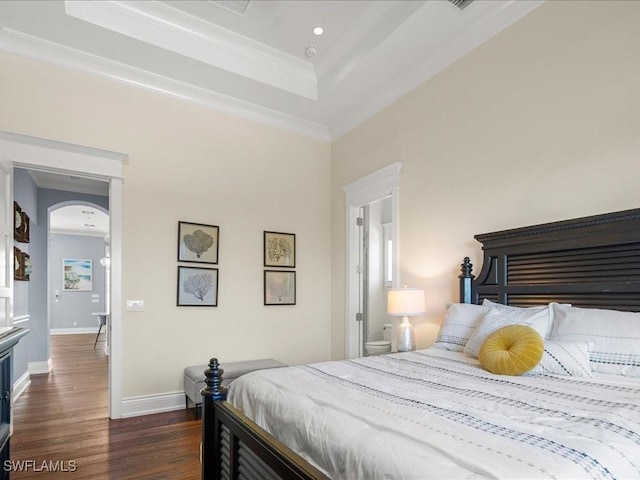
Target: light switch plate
135,305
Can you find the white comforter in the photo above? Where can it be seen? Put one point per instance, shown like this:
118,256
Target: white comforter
437,414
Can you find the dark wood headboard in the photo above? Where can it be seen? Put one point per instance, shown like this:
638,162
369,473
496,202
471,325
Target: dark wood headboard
589,262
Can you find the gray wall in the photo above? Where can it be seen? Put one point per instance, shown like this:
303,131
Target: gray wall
26,194
39,330
73,309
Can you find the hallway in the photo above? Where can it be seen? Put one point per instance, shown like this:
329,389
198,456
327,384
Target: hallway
61,420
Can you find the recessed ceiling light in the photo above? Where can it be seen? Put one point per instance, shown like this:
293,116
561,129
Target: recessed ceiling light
318,31
311,51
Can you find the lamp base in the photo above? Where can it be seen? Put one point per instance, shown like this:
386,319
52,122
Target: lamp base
406,337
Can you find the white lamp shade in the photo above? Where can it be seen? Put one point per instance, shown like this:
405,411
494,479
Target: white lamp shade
405,301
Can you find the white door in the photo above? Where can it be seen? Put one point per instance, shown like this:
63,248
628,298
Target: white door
6,243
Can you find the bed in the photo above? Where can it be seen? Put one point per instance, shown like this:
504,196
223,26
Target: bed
438,413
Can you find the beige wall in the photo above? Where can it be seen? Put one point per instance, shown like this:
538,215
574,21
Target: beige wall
191,163
541,123
538,124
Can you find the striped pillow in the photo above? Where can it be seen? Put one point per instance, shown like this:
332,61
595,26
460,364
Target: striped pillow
459,325
615,337
510,309
537,318
564,358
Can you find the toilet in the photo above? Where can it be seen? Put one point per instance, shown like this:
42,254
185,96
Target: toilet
379,347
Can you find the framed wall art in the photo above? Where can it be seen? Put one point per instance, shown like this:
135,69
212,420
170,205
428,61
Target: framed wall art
77,275
18,264
279,249
279,287
20,224
197,287
198,243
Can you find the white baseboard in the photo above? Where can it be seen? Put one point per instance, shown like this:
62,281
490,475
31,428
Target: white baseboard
148,404
38,368
74,331
20,386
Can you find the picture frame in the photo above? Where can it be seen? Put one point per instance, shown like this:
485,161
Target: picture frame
197,287
279,249
279,287
198,243
18,264
20,224
77,275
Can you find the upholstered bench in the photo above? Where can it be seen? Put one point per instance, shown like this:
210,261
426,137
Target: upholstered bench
194,377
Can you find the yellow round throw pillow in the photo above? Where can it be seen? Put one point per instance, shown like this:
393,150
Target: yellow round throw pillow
511,350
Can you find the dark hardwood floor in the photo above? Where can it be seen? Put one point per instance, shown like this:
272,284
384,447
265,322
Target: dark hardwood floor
61,420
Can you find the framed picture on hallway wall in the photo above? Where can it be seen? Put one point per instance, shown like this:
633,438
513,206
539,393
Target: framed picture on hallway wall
18,263
77,275
21,224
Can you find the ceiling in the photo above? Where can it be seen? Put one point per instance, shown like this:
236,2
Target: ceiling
259,58
79,220
70,183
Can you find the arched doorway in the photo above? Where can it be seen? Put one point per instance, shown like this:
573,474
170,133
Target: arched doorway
78,236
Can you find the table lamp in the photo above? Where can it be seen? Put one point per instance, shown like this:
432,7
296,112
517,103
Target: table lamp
405,302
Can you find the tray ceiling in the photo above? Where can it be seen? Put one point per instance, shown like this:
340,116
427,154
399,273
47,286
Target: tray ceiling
259,58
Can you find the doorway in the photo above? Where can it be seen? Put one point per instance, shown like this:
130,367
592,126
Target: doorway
77,280
366,295
35,153
375,272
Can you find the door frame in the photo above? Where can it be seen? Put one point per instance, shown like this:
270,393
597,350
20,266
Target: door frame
36,153
6,230
375,186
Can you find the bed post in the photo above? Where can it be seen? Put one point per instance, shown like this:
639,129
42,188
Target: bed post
213,392
466,281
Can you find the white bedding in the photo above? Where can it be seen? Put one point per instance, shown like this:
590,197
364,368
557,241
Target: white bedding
437,414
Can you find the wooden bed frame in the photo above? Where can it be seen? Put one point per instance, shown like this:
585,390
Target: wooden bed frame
589,262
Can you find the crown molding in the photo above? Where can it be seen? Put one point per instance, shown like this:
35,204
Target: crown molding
19,43
179,32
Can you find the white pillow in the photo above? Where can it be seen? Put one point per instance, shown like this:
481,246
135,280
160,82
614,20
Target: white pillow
507,308
458,325
537,318
564,358
615,336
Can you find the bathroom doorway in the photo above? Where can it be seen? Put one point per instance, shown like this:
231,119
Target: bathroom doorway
377,197
376,274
